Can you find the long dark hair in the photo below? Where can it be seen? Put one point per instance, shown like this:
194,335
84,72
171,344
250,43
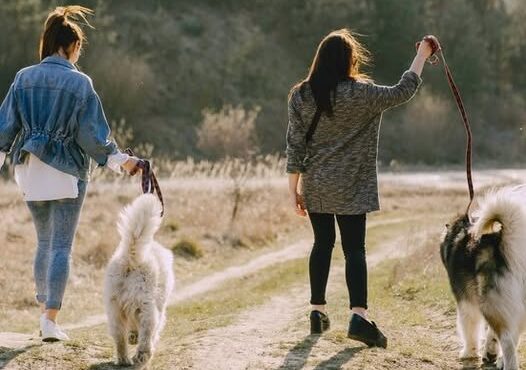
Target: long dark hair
338,58
61,29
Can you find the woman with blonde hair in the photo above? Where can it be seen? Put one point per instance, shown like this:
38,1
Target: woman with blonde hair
53,123
332,145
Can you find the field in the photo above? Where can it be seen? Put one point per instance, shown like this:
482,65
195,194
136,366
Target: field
241,299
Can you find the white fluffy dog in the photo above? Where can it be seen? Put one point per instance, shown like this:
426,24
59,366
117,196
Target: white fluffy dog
139,280
486,264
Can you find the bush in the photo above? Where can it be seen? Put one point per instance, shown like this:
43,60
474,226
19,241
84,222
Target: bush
188,249
98,255
130,90
428,131
171,225
228,133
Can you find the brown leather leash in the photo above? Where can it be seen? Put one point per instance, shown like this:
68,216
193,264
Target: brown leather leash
434,59
149,183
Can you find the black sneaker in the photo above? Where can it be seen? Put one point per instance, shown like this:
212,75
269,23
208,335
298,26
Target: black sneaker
319,322
366,332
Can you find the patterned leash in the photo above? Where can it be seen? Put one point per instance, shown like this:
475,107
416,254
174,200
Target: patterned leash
434,59
149,183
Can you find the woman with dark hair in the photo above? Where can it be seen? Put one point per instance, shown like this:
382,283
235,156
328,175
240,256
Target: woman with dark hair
332,140
52,121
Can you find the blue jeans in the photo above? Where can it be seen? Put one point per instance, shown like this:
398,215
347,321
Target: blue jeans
55,222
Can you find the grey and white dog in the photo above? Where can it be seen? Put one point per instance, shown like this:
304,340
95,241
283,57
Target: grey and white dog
139,280
486,264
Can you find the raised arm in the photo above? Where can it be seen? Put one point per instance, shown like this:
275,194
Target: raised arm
385,97
424,51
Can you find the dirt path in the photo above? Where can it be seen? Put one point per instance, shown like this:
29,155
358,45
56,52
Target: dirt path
293,251
211,282
245,344
246,340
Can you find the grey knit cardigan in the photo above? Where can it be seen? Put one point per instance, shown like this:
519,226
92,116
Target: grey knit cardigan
338,165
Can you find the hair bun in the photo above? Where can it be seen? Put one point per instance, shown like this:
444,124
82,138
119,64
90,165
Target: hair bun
71,13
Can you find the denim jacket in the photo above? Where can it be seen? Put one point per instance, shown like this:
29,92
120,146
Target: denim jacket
53,112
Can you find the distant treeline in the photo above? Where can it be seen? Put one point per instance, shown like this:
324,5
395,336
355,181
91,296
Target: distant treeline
159,64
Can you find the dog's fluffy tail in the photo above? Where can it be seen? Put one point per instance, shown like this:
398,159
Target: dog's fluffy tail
504,211
138,224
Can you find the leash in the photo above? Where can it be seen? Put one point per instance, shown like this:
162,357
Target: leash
149,183
434,59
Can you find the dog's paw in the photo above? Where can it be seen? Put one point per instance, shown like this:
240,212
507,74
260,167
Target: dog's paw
468,353
142,357
133,337
123,361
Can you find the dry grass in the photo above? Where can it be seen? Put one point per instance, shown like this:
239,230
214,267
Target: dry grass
409,297
198,209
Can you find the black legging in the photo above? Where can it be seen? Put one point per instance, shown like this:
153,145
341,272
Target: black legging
352,231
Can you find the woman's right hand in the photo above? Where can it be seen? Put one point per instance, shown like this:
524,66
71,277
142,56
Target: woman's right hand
423,52
298,203
425,49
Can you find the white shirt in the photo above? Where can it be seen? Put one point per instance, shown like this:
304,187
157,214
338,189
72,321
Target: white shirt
39,181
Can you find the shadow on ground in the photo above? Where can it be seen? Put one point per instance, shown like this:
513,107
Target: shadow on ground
339,359
474,364
107,365
9,354
297,357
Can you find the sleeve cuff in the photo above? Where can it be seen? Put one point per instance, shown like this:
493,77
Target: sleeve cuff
102,155
2,159
293,168
115,161
413,77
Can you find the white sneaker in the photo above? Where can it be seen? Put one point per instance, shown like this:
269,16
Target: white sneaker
50,331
